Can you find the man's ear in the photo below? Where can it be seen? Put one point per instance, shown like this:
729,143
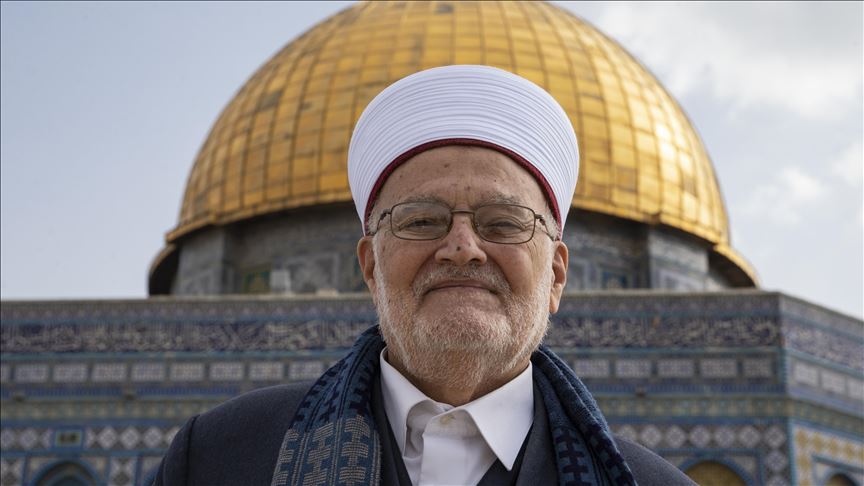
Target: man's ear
366,257
560,258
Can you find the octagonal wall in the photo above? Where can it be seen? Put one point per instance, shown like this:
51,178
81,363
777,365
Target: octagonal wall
313,251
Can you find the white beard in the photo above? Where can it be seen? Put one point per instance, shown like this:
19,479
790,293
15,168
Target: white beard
464,347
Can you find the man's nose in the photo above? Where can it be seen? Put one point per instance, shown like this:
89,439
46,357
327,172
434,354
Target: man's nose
462,244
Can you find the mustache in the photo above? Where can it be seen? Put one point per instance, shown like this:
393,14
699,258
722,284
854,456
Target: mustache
489,275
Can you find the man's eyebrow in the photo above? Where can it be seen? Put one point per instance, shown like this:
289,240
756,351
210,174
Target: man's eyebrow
502,199
424,198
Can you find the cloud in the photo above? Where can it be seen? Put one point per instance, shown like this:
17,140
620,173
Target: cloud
849,166
802,188
803,57
783,200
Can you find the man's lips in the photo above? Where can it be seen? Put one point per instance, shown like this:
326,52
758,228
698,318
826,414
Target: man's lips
455,284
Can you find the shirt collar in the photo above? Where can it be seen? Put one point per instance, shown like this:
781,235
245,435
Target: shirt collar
511,404
400,396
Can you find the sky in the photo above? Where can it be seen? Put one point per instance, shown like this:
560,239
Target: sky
103,107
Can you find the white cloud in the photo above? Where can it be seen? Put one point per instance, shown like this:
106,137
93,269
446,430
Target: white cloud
803,57
783,200
801,187
849,166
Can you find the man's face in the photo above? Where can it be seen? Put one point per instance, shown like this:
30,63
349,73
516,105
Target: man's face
460,300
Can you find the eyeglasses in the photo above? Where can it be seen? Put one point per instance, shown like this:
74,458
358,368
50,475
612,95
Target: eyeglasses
509,224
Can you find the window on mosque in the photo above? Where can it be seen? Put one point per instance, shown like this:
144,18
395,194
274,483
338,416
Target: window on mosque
256,281
66,474
711,473
839,480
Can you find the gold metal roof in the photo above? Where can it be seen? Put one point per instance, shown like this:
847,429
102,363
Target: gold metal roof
282,142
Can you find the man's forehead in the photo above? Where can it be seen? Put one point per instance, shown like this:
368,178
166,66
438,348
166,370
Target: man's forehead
461,175
478,199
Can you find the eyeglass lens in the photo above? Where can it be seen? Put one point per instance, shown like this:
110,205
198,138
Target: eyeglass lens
500,223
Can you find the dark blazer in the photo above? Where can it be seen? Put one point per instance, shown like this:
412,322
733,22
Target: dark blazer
237,443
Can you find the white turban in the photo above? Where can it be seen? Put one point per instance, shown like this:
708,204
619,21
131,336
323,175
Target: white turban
464,105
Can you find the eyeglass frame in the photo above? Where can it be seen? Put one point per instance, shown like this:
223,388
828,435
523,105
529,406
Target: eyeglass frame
389,212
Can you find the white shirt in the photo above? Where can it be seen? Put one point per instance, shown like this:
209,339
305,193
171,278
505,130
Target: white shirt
443,445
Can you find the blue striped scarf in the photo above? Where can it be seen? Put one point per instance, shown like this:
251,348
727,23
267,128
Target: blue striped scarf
333,438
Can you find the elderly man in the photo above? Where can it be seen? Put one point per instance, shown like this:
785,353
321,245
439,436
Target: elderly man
462,177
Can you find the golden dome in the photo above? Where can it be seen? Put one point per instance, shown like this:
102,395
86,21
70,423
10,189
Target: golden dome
282,142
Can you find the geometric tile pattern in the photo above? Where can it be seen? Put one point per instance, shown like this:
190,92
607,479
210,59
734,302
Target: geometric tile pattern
614,367
675,368
699,436
31,373
148,371
749,436
11,472
129,437
758,368
25,439
833,382
226,371
105,438
815,450
70,373
187,372
805,374
776,461
305,370
815,376
746,446
142,372
109,372
591,368
7,439
266,371
122,471
777,481
718,368
675,437
633,368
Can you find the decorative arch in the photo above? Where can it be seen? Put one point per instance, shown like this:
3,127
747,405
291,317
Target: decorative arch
66,472
837,478
714,473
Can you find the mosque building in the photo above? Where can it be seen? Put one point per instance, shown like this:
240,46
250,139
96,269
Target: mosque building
258,284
